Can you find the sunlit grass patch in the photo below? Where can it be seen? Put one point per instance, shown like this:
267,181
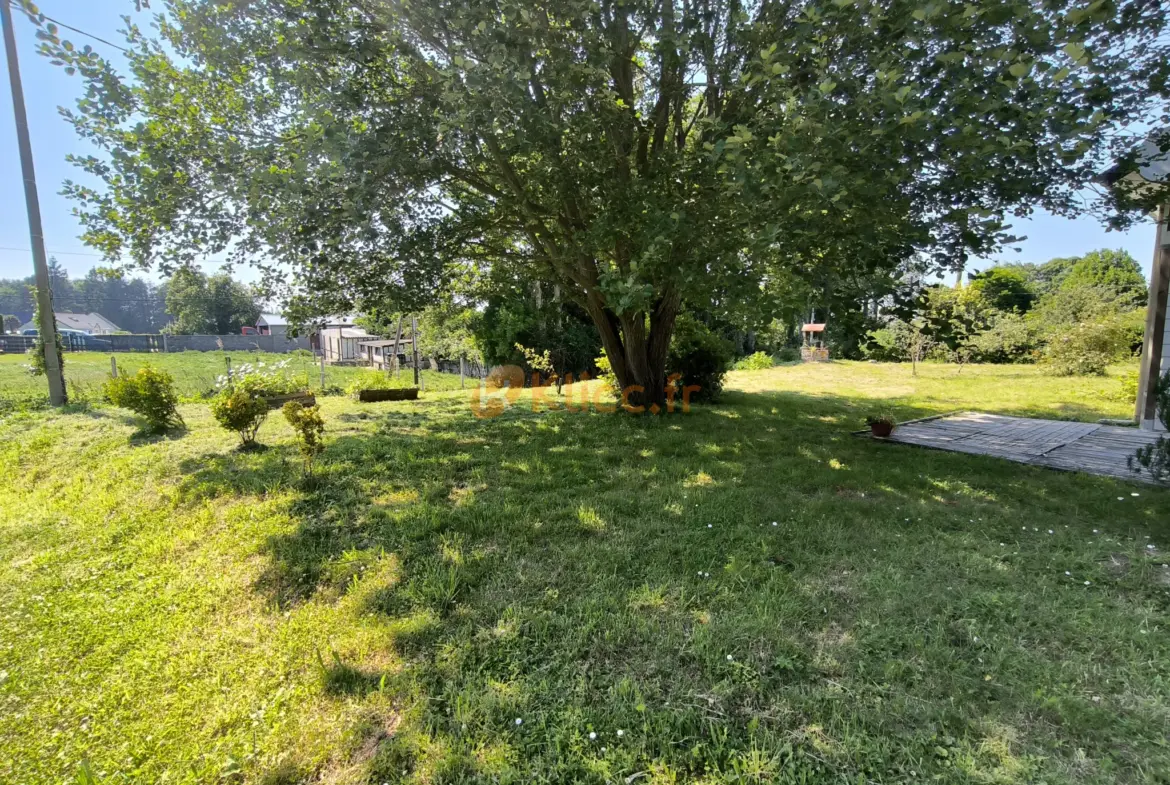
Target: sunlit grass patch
758,598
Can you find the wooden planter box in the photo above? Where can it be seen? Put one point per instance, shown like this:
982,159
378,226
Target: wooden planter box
304,399
401,394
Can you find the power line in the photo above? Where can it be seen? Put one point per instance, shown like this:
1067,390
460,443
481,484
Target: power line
59,253
59,23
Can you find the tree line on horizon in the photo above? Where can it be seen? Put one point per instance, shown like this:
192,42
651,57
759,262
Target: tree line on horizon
189,302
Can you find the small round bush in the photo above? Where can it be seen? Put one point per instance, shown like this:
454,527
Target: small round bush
310,428
760,361
149,393
239,410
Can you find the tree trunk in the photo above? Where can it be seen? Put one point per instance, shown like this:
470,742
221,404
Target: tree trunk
636,354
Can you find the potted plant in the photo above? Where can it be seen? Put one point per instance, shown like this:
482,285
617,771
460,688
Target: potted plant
881,425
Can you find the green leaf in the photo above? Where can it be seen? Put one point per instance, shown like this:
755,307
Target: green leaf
1075,51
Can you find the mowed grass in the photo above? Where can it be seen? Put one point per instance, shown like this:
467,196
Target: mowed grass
746,593
194,373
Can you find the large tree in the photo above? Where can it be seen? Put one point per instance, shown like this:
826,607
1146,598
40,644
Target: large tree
209,305
638,154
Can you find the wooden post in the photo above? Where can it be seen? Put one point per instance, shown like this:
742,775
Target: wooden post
462,371
164,343
414,346
393,364
228,361
322,371
1153,347
113,367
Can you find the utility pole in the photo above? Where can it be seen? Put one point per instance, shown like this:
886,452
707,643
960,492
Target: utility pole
48,325
414,346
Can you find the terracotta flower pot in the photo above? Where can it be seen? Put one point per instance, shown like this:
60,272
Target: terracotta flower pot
881,429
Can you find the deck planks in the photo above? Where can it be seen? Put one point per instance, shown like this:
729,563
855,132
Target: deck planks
1069,446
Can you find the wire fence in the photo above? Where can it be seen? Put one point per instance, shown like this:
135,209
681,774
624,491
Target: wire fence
196,374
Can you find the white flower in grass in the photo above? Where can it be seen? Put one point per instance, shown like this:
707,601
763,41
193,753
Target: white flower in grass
592,735
1050,531
1135,493
1095,531
621,733
519,721
1066,572
1150,547
1087,583
730,658
710,526
603,749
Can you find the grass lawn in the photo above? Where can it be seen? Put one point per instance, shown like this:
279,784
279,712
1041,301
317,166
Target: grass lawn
745,593
194,372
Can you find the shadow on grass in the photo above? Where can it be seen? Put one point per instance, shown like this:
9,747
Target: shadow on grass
701,580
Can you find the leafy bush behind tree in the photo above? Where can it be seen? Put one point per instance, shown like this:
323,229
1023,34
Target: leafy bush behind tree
701,356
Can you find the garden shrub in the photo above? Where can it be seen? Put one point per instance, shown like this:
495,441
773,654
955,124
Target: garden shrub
150,393
1083,349
787,354
374,379
306,421
1010,339
606,375
760,361
1155,457
700,356
240,410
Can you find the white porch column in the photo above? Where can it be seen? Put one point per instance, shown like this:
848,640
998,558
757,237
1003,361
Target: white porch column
1156,349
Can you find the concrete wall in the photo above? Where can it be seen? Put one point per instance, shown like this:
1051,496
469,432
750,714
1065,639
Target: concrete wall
234,343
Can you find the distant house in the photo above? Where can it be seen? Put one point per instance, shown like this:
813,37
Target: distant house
87,323
272,324
380,353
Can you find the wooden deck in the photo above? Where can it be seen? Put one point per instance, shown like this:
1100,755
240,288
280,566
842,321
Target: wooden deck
1071,446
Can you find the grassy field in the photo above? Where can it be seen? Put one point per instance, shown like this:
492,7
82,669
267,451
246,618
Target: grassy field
745,593
194,372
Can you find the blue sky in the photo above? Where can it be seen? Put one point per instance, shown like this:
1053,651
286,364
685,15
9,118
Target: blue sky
46,87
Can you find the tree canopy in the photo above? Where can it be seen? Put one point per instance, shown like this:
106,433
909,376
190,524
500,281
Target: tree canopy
639,154
1005,288
1116,273
209,305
